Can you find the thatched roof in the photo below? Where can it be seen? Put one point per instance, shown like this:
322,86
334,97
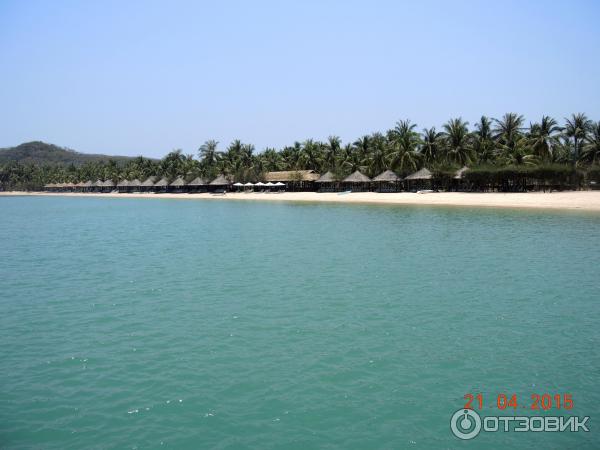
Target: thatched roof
98,183
222,180
109,183
292,175
123,183
327,178
80,184
149,181
178,182
134,183
163,182
423,174
357,177
387,176
460,172
88,183
198,181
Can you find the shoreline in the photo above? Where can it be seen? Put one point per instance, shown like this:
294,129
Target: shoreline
568,200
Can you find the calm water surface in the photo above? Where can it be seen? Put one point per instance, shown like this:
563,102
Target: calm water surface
141,323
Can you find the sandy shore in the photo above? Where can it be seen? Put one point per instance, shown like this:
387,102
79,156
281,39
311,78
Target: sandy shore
579,200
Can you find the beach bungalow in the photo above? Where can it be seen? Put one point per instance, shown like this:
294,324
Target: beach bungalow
148,184
134,185
123,185
294,180
108,186
87,186
198,184
458,182
357,182
327,182
97,186
420,180
161,185
387,181
221,183
177,186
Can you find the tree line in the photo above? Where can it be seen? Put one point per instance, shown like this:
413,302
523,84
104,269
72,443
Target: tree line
490,146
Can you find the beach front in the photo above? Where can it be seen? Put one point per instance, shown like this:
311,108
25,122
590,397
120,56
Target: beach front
568,200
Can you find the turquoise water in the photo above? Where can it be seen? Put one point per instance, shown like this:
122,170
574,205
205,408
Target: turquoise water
147,323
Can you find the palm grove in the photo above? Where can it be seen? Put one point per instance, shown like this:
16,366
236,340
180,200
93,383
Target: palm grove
495,150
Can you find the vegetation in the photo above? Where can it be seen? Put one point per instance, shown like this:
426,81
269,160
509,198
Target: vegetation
501,153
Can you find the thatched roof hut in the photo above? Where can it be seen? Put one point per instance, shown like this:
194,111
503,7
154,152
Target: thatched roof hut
179,182
460,172
357,177
149,182
109,183
135,183
387,177
88,183
199,181
292,175
423,174
327,178
222,180
163,182
123,183
98,183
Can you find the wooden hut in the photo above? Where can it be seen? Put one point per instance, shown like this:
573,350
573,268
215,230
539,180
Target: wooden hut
421,179
123,185
198,184
134,185
458,182
295,180
97,185
327,182
108,186
178,185
387,181
161,185
148,184
357,182
87,186
220,184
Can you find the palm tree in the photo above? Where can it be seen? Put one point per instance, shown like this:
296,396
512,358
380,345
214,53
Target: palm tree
508,132
431,142
208,153
311,155
483,141
457,142
542,137
271,160
332,151
404,143
576,128
591,148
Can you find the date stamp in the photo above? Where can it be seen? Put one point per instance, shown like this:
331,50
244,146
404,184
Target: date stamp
467,422
536,402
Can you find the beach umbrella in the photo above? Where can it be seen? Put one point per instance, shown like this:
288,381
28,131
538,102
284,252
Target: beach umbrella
260,183
279,183
238,184
248,184
269,184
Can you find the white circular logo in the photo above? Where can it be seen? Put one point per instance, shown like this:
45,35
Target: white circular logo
465,424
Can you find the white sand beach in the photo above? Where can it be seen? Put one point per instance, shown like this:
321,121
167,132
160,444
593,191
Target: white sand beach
571,200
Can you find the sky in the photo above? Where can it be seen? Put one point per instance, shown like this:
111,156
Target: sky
146,77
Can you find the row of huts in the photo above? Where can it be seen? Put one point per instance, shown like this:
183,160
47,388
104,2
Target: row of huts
297,180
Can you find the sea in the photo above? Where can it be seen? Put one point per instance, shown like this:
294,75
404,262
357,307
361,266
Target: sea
210,324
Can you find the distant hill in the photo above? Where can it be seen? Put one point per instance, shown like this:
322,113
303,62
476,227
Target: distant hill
41,153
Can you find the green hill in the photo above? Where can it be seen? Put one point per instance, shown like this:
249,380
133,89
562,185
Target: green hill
40,153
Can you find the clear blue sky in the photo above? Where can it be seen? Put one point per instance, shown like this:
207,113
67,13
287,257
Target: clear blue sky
128,77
